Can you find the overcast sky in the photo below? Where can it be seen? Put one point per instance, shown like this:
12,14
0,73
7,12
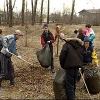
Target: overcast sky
58,5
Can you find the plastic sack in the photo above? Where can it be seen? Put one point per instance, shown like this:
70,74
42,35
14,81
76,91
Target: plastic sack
92,79
59,85
44,56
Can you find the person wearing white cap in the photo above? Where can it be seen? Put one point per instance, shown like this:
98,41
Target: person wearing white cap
9,45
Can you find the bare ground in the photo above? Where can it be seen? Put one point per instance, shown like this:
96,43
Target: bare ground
37,83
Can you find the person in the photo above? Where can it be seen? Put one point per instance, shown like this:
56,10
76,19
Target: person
71,60
57,31
47,37
9,45
1,46
75,33
89,54
80,35
90,33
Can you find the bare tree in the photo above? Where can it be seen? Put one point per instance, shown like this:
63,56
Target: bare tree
7,11
73,5
48,12
26,27
23,9
14,4
4,13
10,13
34,12
41,16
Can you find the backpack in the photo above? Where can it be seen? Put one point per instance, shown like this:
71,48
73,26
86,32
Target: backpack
1,46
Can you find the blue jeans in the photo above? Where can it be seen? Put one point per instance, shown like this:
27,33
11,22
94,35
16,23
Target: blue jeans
71,76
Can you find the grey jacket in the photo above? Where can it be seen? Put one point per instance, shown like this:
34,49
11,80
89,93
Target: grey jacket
9,42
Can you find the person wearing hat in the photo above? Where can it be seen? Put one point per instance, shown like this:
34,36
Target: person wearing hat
47,37
9,46
89,55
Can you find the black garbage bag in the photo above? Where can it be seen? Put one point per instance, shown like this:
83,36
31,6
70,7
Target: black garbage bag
92,79
44,56
59,85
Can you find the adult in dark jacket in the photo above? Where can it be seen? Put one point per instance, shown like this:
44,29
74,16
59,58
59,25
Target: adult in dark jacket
71,59
0,47
9,45
47,37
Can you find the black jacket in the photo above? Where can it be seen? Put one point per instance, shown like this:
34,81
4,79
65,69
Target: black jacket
71,54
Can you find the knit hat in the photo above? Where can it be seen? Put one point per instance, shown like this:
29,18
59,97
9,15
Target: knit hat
86,39
18,32
45,25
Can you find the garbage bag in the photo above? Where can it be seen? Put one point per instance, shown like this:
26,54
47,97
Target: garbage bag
44,56
59,85
92,79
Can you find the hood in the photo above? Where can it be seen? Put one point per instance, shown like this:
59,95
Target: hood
75,42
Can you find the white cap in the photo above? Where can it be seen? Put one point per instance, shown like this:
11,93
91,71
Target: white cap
18,32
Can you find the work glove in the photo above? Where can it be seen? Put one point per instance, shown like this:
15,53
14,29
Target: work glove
80,69
97,65
48,41
19,57
6,50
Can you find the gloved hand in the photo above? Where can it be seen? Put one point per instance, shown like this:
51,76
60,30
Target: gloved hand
80,69
97,65
19,56
6,50
48,41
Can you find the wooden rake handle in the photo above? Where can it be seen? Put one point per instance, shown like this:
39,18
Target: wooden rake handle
21,59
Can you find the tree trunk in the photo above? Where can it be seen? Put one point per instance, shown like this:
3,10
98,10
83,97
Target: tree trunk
10,13
41,16
7,11
23,9
48,12
73,5
4,14
34,12
14,4
26,27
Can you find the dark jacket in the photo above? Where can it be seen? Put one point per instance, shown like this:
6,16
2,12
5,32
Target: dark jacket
71,54
1,45
47,37
87,58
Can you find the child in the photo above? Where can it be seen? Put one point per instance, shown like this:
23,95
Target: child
47,37
57,31
90,33
89,54
80,35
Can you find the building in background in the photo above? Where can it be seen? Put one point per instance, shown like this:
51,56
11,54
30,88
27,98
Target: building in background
90,16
